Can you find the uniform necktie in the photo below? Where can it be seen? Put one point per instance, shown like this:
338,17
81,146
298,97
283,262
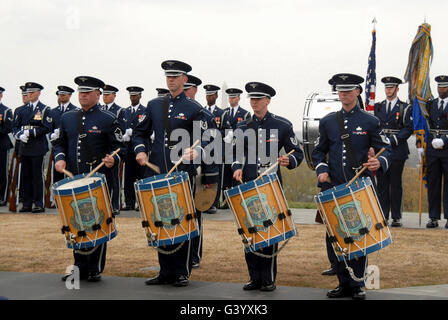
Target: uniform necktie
232,114
441,105
388,107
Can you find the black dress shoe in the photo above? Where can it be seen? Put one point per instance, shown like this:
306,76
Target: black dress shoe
195,264
38,210
433,223
224,206
358,293
94,277
396,223
252,285
181,281
115,213
268,286
159,280
339,292
212,210
127,208
329,272
25,209
446,225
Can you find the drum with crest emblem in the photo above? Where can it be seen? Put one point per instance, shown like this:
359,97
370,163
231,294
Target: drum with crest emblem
167,209
261,212
85,210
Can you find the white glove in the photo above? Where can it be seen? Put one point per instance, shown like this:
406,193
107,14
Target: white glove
126,138
129,132
437,143
54,135
26,132
228,138
421,153
24,138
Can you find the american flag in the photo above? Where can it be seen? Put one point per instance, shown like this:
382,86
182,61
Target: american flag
371,77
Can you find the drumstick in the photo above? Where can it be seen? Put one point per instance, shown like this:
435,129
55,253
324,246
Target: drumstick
274,165
155,168
98,167
364,169
181,158
68,173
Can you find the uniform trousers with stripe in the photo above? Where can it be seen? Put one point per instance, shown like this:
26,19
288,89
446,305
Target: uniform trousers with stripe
90,261
3,175
436,173
33,188
390,189
262,269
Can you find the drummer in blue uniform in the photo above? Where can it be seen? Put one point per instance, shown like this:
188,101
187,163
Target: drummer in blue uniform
163,115
191,89
87,136
109,95
396,120
6,122
437,154
232,116
271,129
64,94
132,171
161,92
31,125
211,95
345,138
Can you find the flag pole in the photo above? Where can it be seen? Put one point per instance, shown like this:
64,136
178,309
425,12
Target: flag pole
420,200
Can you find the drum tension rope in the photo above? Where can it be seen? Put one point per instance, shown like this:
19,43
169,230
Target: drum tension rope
65,229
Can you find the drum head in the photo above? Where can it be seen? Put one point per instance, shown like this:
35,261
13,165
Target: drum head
78,183
204,197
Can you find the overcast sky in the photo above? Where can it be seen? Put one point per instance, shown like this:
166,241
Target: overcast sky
294,46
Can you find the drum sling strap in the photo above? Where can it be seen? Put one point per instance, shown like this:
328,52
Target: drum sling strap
345,137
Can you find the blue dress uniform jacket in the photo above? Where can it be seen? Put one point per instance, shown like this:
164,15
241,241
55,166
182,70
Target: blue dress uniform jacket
131,119
6,122
183,113
217,115
56,114
285,138
397,128
365,132
280,131
104,136
39,123
437,159
230,123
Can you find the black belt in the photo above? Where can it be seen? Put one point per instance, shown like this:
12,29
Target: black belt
391,131
438,131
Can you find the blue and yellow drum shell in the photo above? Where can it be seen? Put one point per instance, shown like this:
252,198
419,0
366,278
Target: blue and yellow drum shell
85,210
167,209
354,219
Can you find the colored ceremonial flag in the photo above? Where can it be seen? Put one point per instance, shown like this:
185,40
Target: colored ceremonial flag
417,76
371,76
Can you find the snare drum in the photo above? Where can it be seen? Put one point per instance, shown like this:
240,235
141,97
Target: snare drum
261,212
85,210
354,219
167,209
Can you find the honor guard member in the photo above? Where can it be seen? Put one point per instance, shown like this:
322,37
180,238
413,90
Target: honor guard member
191,86
396,121
345,138
272,129
211,95
31,125
17,142
190,89
437,153
231,117
163,115
6,122
64,94
87,137
132,170
109,95
161,92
